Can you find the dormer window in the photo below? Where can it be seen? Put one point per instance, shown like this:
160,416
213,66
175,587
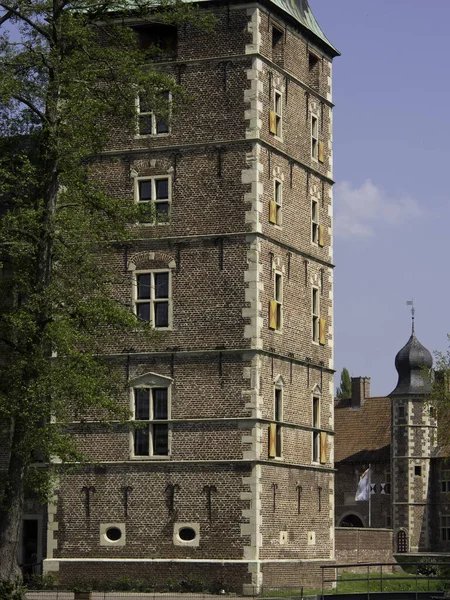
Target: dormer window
159,41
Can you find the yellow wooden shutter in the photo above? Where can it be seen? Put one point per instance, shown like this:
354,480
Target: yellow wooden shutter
321,152
272,440
273,212
273,314
322,331
321,237
323,447
273,122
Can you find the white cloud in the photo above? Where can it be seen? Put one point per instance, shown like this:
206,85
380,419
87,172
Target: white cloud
359,210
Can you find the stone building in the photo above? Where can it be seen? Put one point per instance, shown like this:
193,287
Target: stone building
397,437
228,477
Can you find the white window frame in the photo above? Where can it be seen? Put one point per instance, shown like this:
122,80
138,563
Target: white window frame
314,221
315,137
278,199
161,383
315,435
444,528
278,110
152,300
315,314
278,297
154,201
151,113
278,407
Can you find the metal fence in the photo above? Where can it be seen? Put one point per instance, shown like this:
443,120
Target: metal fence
427,577
60,593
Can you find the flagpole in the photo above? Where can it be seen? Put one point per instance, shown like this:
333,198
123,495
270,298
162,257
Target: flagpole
370,495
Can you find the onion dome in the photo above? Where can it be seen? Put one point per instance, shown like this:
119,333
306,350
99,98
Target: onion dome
410,363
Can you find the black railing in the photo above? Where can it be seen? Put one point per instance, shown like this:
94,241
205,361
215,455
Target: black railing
422,577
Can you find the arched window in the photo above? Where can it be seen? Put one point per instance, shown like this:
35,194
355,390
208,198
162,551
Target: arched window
351,521
402,541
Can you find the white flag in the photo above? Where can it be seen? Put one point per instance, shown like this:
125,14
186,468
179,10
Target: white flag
363,491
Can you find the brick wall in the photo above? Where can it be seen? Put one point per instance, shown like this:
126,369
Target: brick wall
219,358
354,544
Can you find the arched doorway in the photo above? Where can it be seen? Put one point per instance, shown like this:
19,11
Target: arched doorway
402,541
351,521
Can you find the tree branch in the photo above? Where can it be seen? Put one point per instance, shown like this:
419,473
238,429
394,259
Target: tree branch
8,15
14,12
32,107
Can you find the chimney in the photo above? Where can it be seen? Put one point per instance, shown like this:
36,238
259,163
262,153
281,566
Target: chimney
360,391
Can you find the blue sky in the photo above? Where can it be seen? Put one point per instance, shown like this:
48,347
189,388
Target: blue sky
391,136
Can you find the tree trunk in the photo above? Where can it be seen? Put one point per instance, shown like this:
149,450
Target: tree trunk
11,510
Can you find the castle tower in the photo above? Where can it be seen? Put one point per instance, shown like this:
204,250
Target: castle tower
413,439
228,480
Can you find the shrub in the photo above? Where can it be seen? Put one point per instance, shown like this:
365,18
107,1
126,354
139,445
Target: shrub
11,590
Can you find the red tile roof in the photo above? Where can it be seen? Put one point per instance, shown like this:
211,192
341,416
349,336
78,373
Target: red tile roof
362,434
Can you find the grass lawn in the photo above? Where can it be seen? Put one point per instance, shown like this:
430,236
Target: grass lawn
353,583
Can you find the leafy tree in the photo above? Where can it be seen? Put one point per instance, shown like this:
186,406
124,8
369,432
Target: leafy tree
74,71
345,388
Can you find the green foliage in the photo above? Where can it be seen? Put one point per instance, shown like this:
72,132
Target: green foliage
66,86
345,388
11,590
48,581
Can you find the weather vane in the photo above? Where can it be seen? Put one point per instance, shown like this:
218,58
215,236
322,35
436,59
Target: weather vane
413,312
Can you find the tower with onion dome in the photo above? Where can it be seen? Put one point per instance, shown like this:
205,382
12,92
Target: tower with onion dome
413,439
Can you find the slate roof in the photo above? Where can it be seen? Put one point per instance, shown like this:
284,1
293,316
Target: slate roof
301,12
362,434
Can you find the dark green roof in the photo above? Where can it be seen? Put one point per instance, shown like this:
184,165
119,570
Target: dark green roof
301,12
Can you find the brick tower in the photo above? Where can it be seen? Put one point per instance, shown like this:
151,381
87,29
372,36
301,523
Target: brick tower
228,479
413,443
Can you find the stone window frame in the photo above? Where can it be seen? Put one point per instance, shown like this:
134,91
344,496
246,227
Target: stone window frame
177,541
314,137
278,414
315,314
151,381
316,405
314,221
152,300
151,113
278,199
153,179
278,296
278,110
106,541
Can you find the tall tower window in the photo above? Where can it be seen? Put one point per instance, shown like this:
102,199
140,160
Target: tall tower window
315,314
275,204
278,110
276,305
278,416
314,137
316,425
314,222
277,45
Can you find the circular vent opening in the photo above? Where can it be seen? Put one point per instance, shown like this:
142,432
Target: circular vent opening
113,534
187,534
